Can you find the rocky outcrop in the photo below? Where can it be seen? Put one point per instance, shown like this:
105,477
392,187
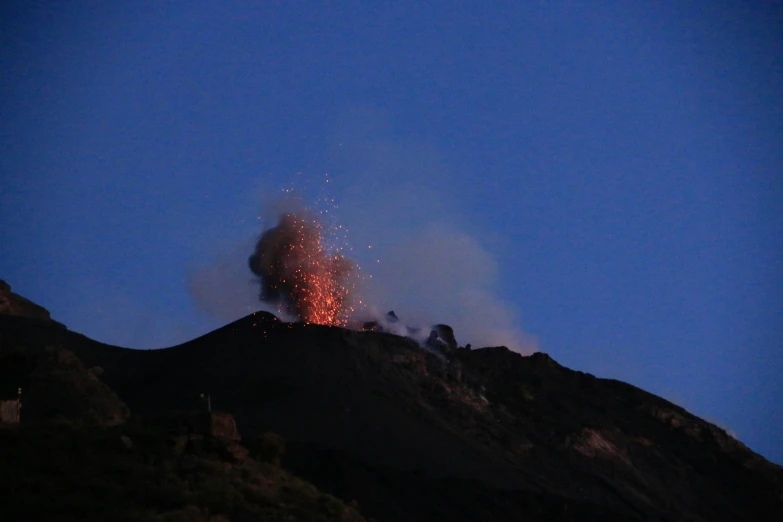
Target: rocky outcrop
16,305
55,384
446,335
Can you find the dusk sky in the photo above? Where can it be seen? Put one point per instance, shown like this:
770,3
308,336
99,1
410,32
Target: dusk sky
602,181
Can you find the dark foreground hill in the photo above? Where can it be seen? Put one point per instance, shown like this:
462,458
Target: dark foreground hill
413,436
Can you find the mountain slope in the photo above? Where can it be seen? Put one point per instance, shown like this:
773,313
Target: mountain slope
479,435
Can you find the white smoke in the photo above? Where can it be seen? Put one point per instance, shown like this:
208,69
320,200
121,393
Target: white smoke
400,205
442,275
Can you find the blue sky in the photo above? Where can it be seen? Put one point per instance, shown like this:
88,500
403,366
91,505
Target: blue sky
602,179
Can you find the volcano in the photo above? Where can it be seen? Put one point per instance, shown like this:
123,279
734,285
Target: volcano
398,432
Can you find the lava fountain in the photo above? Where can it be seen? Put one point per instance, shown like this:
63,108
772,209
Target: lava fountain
297,270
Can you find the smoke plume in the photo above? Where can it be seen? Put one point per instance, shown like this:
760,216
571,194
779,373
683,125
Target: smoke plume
421,252
417,230
297,271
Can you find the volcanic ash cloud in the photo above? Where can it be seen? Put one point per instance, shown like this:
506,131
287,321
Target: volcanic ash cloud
299,273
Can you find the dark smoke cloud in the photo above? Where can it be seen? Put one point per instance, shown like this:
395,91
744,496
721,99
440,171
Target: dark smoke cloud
298,271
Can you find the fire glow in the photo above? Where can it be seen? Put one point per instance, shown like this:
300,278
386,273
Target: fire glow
297,270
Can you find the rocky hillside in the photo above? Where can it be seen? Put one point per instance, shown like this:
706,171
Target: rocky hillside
56,385
78,454
65,470
415,435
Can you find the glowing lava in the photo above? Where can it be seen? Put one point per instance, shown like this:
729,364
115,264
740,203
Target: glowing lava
296,269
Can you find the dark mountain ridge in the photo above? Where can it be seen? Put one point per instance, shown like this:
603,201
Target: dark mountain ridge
482,434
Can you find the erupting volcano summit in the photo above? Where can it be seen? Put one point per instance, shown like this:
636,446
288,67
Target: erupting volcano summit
298,272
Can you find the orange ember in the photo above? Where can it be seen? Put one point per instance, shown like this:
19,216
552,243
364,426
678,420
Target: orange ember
296,269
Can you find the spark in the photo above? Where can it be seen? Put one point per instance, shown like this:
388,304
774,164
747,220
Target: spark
294,263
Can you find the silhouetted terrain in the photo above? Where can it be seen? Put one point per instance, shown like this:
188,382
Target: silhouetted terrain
411,435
